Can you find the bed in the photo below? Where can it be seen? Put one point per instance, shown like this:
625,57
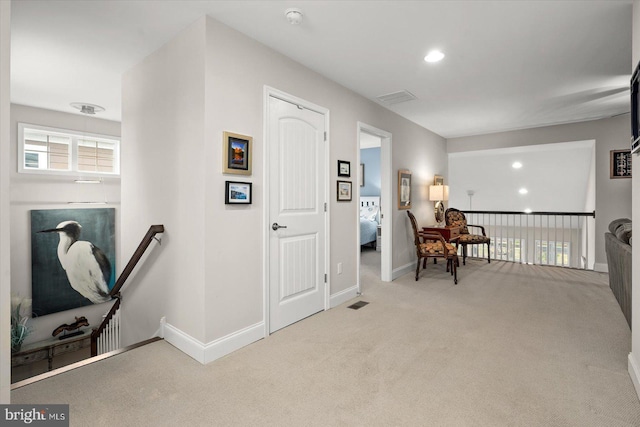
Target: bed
369,220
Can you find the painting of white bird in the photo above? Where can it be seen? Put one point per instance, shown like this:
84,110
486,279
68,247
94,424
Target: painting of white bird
88,269
73,253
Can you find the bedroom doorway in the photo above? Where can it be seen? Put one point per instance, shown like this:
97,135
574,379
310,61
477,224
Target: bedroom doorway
374,199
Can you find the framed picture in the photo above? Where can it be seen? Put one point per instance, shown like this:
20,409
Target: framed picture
438,180
344,191
54,289
361,176
237,193
344,168
237,153
620,164
404,189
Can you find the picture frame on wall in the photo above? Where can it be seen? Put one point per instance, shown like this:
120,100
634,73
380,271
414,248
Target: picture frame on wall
237,193
344,168
52,288
620,164
344,191
404,189
236,153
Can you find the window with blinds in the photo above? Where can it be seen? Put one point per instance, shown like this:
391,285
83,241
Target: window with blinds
60,151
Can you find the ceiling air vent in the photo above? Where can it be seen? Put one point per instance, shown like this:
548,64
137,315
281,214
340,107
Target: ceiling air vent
396,97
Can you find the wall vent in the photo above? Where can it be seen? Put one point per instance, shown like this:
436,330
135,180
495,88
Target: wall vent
396,97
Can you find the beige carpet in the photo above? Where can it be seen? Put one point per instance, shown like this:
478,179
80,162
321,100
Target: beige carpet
510,345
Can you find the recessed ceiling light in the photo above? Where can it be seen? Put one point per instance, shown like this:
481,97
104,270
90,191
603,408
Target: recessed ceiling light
528,211
434,56
516,165
523,191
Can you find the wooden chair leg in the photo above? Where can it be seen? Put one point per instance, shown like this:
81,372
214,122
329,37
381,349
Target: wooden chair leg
488,254
464,254
454,270
418,269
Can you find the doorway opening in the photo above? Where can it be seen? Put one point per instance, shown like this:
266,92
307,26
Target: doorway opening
374,201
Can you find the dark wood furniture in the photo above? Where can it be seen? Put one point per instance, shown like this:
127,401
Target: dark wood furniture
455,218
47,349
433,245
450,234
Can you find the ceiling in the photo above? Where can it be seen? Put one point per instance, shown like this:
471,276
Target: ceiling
508,64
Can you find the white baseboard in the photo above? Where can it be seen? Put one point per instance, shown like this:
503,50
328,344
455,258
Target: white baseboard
343,296
205,353
401,271
634,373
601,267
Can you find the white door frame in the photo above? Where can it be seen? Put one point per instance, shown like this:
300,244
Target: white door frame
386,193
272,92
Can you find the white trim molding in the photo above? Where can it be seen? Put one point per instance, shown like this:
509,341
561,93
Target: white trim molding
601,267
405,269
206,353
634,373
343,296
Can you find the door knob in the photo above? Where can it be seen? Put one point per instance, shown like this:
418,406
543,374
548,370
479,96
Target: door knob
275,226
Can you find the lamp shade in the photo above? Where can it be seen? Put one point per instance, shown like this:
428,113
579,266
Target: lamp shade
438,193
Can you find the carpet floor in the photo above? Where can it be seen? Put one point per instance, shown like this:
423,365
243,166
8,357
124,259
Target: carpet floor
510,345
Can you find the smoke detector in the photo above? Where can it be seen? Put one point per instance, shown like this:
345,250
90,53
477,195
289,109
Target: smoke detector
87,108
294,15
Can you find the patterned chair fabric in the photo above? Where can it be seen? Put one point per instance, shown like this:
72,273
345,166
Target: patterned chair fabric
433,246
455,218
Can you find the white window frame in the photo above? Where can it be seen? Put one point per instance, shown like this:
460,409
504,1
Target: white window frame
75,137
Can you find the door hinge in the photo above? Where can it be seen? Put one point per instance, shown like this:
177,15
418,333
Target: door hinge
325,206
325,277
325,136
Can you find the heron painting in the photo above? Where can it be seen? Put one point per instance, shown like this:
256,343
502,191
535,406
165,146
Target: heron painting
73,258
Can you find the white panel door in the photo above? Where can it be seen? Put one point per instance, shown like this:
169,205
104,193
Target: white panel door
296,213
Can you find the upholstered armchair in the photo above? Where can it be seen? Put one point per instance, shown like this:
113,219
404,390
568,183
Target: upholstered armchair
433,246
455,218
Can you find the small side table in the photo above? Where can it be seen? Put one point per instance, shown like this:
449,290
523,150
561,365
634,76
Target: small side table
450,234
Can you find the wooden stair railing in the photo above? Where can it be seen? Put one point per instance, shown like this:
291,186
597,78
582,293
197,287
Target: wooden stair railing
115,292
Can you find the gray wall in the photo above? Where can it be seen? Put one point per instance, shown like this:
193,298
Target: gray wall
613,196
5,225
172,175
634,357
33,191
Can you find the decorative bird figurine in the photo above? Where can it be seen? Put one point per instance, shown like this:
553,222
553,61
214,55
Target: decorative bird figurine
88,268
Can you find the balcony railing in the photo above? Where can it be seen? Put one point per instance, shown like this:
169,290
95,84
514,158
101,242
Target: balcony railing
563,239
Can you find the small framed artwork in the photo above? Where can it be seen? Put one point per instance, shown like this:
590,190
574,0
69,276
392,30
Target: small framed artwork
344,168
361,176
620,164
438,180
344,191
237,193
404,189
237,153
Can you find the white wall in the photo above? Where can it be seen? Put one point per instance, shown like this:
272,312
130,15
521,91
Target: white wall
613,196
31,192
164,93
164,159
634,357
5,225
